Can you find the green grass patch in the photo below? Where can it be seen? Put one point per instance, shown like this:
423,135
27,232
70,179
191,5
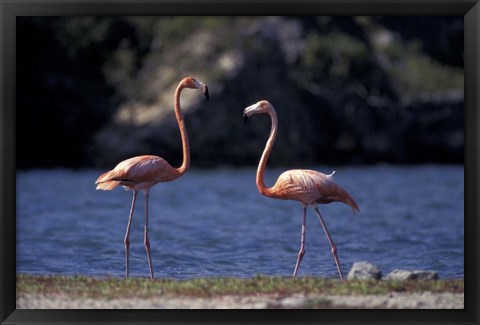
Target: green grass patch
92,287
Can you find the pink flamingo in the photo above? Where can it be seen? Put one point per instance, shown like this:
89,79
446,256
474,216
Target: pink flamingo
143,172
309,187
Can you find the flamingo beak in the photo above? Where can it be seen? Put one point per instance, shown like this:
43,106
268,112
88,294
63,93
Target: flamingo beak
205,92
247,112
202,87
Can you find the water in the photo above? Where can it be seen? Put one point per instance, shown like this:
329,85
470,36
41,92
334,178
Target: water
215,223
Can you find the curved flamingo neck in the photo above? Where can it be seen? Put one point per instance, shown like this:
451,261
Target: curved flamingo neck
183,130
266,152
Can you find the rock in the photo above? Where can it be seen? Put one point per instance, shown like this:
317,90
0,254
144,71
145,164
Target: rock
425,275
400,275
412,275
364,271
296,301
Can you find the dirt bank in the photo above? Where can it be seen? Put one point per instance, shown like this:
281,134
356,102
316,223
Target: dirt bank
394,300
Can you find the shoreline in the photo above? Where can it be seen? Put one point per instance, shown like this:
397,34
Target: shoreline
426,300
259,292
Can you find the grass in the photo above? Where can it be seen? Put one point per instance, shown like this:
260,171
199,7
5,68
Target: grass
91,287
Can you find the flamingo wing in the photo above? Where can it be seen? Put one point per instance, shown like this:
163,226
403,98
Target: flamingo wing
310,186
137,173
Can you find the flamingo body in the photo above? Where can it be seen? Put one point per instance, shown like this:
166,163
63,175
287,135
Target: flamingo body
138,173
310,187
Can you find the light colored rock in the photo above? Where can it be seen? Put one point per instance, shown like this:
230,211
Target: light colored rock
364,271
425,275
296,301
400,275
412,275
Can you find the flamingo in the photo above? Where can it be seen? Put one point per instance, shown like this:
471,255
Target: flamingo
309,187
143,172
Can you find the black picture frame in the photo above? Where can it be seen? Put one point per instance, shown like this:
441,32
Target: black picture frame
9,10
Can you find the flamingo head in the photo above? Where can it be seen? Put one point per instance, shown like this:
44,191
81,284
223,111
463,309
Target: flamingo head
190,82
260,107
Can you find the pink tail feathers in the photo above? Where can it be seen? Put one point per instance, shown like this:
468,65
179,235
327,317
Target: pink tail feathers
104,183
351,202
344,197
107,186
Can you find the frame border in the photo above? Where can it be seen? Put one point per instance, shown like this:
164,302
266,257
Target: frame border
10,9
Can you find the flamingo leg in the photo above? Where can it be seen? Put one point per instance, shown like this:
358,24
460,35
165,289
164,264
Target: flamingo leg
332,244
126,240
146,242
301,252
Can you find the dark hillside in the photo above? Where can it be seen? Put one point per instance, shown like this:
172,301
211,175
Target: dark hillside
94,90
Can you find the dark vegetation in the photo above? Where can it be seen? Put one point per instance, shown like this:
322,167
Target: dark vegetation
94,90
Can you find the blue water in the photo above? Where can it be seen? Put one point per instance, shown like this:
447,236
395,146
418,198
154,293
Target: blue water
215,223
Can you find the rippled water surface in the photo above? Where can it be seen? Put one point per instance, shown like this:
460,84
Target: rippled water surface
215,223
